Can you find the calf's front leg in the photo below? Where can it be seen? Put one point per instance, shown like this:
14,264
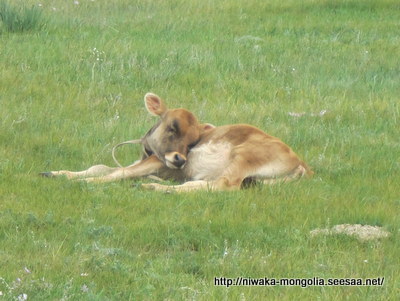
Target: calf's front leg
146,167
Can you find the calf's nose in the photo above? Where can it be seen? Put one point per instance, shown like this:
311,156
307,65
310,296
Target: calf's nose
179,160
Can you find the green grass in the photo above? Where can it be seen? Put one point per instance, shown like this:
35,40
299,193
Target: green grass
71,90
20,18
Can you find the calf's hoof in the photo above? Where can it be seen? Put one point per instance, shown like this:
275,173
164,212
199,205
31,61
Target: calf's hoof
46,174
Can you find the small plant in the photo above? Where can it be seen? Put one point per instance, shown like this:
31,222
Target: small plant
21,18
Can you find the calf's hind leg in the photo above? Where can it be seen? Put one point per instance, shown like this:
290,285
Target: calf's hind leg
230,180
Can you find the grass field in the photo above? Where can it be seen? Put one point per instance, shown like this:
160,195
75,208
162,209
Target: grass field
73,87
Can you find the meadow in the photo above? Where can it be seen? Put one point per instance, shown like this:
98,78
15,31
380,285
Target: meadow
323,75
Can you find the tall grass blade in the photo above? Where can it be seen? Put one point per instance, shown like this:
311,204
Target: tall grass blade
20,18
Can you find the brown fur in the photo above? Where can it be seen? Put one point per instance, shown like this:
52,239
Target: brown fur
207,157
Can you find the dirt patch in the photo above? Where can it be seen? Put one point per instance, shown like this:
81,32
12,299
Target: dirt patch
362,232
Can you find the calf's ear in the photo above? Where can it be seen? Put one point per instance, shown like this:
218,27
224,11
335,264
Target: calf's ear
154,104
206,127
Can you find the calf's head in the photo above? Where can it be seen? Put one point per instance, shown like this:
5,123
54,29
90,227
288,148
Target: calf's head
175,133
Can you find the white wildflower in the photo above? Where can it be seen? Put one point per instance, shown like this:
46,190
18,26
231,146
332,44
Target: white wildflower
295,114
22,297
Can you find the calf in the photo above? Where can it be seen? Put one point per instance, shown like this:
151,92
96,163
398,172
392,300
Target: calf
178,147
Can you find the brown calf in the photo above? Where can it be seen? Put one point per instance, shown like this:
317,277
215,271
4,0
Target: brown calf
218,158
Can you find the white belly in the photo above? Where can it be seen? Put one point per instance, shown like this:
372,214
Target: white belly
208,161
